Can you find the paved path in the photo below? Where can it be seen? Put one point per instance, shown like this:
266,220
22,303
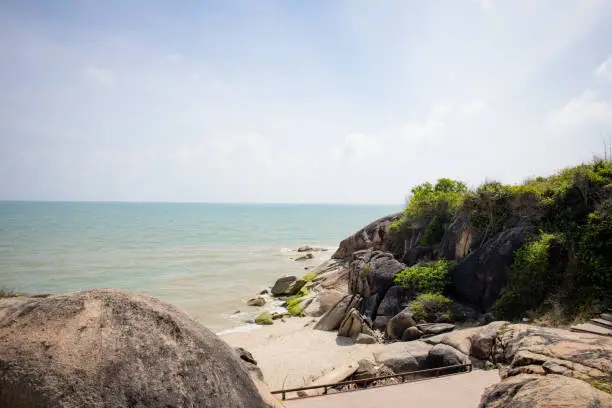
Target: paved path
457,391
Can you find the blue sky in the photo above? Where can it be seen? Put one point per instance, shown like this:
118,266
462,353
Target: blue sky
295,101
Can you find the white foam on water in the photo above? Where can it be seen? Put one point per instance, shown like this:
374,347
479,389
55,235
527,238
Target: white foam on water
240,329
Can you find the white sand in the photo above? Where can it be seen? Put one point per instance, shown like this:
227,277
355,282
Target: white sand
291,355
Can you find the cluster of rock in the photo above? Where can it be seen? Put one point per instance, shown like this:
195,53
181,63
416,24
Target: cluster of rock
313,295
539,367
478,280
112,348
535,362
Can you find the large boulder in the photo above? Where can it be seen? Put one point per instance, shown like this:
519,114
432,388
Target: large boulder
400,322
481,276
483,340
372,236
334,317
459,339
352,325
111,348
535,391
403,357
373,272
395,301
442,355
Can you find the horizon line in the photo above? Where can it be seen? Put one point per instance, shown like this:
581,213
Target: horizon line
196,202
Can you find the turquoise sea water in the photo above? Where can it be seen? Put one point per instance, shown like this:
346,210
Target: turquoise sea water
204,258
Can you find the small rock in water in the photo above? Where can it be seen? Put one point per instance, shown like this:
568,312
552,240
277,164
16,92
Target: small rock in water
258,301
308,248
237,311
305,257
264,292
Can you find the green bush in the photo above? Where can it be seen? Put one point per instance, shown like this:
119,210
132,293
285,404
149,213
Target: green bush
594,277
430,207
532,277
429,307
431,277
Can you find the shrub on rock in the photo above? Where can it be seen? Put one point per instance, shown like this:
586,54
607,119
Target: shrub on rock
429,307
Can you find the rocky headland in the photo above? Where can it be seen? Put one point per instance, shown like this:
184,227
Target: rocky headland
492,278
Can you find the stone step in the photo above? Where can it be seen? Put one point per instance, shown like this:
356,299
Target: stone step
606,316
592,329
603,323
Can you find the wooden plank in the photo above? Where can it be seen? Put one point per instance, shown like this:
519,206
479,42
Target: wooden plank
603,323
607,316
591,328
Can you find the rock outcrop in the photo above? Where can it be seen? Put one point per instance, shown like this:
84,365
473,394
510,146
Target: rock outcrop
404,357
536,391
114,348
334,317
399,323
481,276
373,272
558,351
372,236
353,324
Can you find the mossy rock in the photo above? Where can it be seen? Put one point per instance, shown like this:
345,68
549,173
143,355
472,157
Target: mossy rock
264,318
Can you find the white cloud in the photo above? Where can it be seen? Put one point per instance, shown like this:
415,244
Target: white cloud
100,75
604,70
587,110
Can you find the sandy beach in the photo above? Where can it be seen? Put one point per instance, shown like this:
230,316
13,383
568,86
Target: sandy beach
291,354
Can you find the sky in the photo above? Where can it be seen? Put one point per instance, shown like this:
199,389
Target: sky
296,101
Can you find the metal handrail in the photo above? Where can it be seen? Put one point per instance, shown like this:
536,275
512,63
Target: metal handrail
437,371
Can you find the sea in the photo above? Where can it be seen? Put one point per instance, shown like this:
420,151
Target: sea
206,259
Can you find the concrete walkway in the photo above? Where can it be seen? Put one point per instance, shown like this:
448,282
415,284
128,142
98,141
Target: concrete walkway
457,391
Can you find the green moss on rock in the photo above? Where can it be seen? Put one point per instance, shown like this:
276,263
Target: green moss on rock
264,318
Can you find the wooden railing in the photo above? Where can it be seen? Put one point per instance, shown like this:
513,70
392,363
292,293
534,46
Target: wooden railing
418,375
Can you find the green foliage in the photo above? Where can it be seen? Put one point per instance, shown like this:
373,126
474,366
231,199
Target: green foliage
431,277
428,201
566,267
594,277
366,269
430,306
431,206
532,276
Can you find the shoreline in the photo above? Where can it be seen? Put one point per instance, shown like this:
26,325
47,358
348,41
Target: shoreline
292,354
